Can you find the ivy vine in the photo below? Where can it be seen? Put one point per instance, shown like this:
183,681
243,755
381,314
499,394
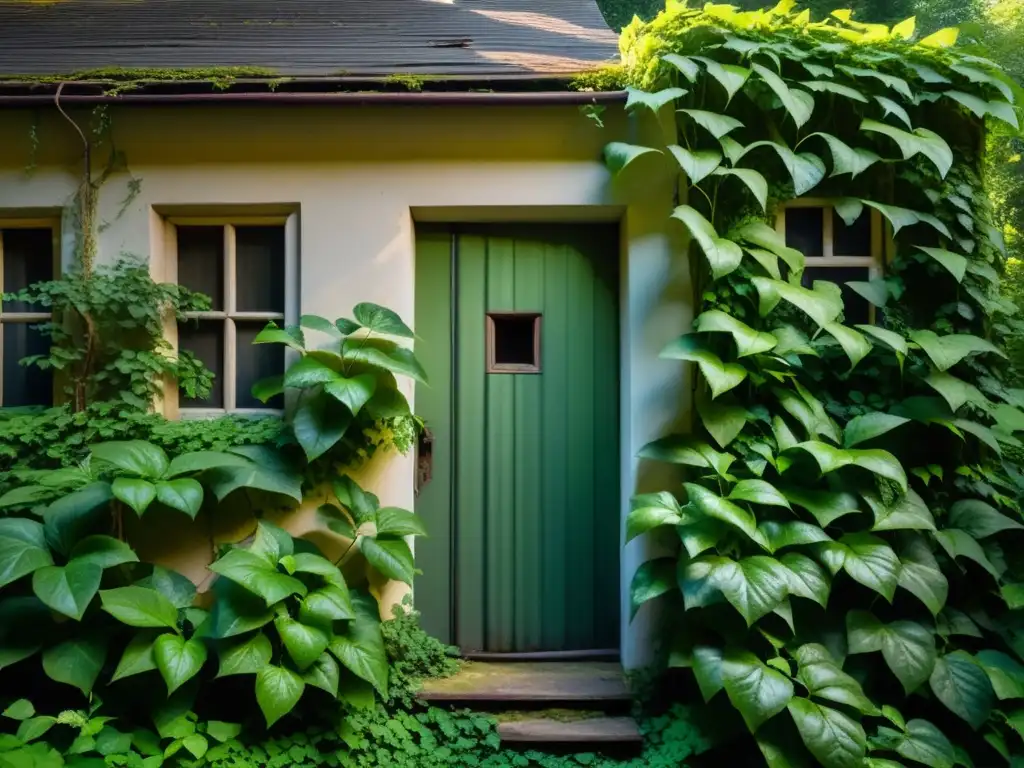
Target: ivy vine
848,572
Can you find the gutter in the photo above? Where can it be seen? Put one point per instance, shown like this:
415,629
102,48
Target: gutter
368,98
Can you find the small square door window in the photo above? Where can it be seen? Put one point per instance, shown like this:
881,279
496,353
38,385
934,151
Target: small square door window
513,342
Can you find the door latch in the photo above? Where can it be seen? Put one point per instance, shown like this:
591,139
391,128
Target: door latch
424,458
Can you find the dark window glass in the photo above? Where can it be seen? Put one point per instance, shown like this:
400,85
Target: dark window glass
805,230
28,259
201,262
259,269
255,362
25,385
856,308
514,341
851,241
205,340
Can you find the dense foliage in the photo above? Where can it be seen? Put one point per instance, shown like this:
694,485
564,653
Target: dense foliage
848,572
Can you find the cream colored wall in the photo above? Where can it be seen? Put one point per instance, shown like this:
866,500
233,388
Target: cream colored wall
358,178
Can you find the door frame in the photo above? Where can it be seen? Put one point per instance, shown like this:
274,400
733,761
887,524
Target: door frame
441,239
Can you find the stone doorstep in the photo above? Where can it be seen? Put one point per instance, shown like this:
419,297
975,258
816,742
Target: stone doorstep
600,729
555,681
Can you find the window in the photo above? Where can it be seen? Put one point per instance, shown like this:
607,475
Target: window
27,256
513,342
835,251
247,268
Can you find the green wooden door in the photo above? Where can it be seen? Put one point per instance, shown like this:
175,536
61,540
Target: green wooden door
523,506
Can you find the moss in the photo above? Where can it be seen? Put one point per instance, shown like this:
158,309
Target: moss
609,78
408,82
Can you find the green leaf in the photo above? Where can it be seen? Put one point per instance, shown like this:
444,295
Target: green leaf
687,66
76,662
707,668
196,744
959,683
836,88
257,575
326,605
324,674
137,457
755,689
362,649
266,388
758,492
834,738
139,607
32,728
386,354
303,643
849,210
955,391
871,562
178,659
393,521
789,534
799,104
278,690
137,494
890,81
321,324
847,159
754,586
69,589
959,543
272,334
904,217
652,101
729,76
720,376
755,182
683,449
723,422
724,256
926,744
921,141
807,579
904,513
652,579
22,549
825,679
619,156
21,709
104,551
854,344
890,107
393,559
72,517
246,657
715,124
907,647
954,263
319,422
183,494
880,462
980,520
137,657
266,471
760,234
664,510
869,426
378,319
308,371
724,510
354,393
199,461
821,307
172,585
890,338
1005,673
825,506
697,165
807,170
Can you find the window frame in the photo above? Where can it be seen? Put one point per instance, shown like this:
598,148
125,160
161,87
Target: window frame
34,318
875,261
229,314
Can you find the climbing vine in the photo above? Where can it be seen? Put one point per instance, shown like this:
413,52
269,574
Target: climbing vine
848,572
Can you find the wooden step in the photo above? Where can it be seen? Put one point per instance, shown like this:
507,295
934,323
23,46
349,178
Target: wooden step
583,681
584,730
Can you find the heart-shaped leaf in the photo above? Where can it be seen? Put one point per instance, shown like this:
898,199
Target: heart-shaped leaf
697,165
278,690
721,377
178,659
715,124
833,737
962,685
755,182
652,579
70,589
921,141
303,643
921,575
724,256
22,548
755,689
139,607
183,494
947,351
137,494
246,657
847,159
799,104
652,101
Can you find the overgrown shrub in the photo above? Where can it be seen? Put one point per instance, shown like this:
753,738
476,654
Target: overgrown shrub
849,573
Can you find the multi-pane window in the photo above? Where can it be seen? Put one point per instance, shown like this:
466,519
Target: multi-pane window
246,270
836,251
27,256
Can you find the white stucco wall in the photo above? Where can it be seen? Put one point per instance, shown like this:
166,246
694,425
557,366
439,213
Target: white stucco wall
359,178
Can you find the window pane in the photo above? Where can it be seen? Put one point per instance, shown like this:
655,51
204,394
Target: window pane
513,341
205,340
25,386
201,261
856,308
805,230
259,269
255,362
851,241
28,259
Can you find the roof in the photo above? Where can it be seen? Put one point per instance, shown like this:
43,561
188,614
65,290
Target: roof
311,38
